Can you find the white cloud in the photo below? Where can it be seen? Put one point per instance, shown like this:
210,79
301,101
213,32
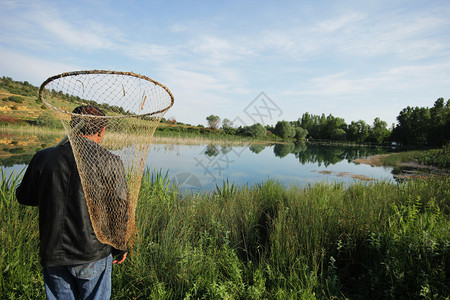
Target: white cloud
147,51
409,36
88,37
340,22
27,68
405,78
46,27
217,50
177,28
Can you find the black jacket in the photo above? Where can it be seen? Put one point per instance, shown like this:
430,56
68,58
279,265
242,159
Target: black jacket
52,182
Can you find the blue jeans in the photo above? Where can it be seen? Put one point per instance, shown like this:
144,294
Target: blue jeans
87,281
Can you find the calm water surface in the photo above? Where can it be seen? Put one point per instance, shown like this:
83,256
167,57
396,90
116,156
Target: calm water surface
202,167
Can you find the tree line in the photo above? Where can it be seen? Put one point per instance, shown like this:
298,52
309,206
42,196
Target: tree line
417,126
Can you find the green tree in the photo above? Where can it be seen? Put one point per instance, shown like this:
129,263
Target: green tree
315,124
257,130
413,126
226,123
439,129
300,133
329,128
379,133
358,131
213,121
338,134
284,129
227,127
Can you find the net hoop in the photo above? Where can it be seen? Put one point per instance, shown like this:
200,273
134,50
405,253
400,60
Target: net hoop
105,72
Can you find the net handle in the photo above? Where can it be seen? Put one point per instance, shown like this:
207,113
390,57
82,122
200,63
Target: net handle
105,72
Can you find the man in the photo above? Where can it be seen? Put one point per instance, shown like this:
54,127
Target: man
75,263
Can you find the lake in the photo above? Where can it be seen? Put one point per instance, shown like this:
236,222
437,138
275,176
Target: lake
202,167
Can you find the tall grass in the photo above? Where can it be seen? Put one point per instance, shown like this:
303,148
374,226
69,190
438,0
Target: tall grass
268,241
19,260
30,129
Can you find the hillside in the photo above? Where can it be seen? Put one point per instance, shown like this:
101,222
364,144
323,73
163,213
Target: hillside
19,104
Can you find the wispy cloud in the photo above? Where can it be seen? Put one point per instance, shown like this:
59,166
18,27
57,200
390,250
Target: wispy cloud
399,79
90,37
147,51
30,68
47,27
341,22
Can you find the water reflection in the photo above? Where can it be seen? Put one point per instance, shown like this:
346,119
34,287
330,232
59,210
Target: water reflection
212,150
257,148
320,154
18,149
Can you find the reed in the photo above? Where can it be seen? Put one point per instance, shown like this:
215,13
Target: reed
269,241
30,129
19,261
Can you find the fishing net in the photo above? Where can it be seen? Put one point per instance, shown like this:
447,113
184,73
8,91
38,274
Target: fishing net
109,118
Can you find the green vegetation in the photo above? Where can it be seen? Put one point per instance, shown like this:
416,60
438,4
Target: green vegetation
371,240
18,87
19,263
15,99
213,121
48,119
284,130
435,157
257,131
424,126
395,159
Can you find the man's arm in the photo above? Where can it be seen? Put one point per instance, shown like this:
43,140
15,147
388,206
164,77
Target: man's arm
26,191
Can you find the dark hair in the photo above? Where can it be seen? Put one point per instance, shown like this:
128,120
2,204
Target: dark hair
90,126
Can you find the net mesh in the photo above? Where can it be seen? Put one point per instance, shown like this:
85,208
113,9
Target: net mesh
110,150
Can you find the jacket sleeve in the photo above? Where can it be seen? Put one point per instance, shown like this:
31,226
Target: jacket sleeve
26,191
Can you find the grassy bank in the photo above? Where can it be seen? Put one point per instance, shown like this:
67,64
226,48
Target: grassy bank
439,158
364,241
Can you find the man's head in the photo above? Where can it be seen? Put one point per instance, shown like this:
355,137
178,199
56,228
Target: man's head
89,125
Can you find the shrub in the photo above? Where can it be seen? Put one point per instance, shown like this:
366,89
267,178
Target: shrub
15,99
47,119
436,157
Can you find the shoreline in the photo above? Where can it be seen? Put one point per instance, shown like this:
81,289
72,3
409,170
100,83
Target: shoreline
404,169
376,160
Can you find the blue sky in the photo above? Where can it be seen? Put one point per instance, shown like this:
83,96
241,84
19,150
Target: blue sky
352,59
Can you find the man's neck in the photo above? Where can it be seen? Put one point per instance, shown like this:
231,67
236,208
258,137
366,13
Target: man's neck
94,138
